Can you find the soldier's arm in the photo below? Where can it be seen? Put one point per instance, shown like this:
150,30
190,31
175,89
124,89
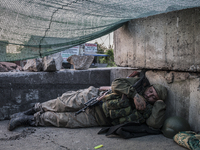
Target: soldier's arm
157,117
124,86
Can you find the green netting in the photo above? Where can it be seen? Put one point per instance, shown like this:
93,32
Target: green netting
36,28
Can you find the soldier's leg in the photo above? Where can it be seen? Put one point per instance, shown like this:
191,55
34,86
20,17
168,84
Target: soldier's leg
70,101
30,111
46,112
21,120
67,119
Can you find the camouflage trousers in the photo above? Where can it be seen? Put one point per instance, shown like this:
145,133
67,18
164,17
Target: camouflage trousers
60,112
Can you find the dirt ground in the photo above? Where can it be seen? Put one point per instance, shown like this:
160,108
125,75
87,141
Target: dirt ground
52,138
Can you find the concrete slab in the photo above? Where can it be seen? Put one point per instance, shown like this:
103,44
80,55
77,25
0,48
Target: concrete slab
168,41
52,138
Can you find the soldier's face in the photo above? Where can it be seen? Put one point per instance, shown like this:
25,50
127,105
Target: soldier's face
151,95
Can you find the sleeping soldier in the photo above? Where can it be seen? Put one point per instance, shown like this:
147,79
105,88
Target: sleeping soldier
124,104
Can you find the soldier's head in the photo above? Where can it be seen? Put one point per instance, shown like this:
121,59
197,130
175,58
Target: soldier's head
155,92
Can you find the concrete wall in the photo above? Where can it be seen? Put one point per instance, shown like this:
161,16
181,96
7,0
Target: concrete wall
167,41
183,93
20,90
183,97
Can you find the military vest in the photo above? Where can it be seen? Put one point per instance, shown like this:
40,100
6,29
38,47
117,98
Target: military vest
122,110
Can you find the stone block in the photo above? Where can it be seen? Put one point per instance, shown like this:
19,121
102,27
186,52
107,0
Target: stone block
9,67
52,62
167,41
34,65
80,62
49,63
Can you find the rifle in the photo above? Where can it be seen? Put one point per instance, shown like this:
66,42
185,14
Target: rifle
93,102
142,83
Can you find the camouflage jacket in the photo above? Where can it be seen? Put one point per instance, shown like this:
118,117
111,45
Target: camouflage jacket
122,110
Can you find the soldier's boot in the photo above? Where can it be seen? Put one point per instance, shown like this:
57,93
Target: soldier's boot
19,121
20,114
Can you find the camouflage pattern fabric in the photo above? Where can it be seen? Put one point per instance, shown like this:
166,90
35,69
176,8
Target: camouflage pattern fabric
60,112
135,116
124,86
117,113
114,101
188,139
123,110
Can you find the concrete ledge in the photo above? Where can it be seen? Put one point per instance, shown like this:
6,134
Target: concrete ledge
20,90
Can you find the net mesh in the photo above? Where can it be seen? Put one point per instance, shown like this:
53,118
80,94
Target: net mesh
36,28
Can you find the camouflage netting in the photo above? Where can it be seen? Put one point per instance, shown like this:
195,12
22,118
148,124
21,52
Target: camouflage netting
36,28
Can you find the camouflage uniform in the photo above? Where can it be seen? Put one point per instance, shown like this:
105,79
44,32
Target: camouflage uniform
60,112
114,110
122,110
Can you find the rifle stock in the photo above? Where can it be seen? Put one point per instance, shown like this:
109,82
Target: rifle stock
133,74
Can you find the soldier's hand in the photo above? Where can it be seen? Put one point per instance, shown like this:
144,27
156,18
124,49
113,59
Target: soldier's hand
139,101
